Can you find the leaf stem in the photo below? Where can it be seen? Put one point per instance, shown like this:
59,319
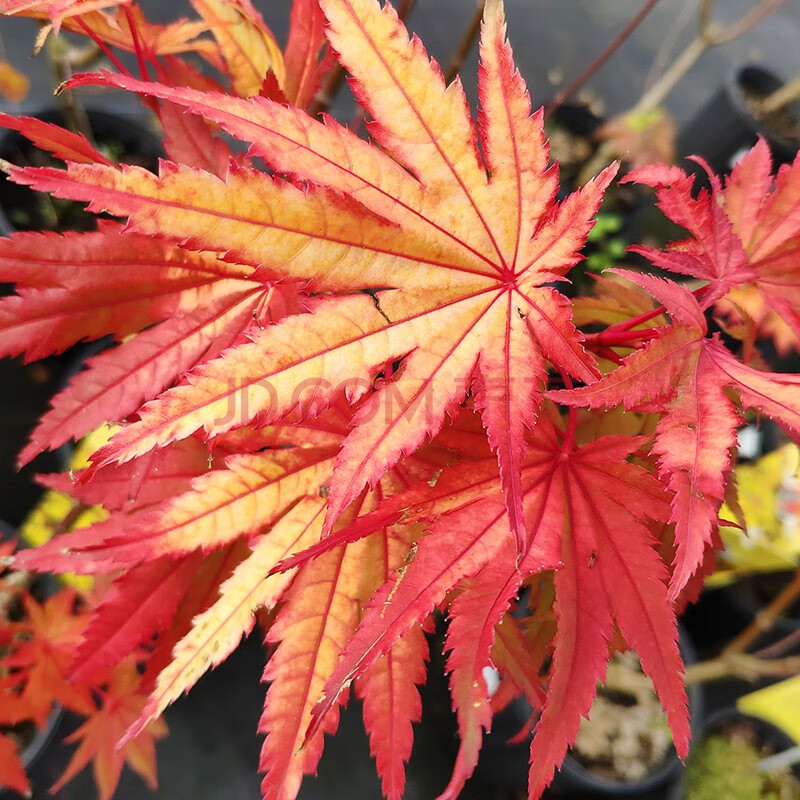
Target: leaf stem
104,47
620,338
137,45
634,321
608,354
588,72
71,517
646,317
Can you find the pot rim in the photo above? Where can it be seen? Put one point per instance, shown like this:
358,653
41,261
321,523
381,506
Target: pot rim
734,88
42,738
670,766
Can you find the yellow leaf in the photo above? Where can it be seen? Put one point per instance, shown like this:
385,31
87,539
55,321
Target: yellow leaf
777,704
14,85
248,46
769,495
57,511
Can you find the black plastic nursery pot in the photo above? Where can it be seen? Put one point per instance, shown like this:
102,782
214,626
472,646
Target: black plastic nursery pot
578,777
765,737
118,137
571,130
506,764
729,124
35,746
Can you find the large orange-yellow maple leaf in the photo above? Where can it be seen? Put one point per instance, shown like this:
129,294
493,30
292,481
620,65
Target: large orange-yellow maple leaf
435,248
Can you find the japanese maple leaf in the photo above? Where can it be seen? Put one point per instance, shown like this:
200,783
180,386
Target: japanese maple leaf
587,508
689,376
142,599
246,44
388,689
14,707
467,531
129,493
98,736
153,602
746,315
613,300
434,248
291,517
12,770
319,614
54,631
478,609
304,66
187,138
141,603
107,282
63,144
610,575
522,646
319,610
57,10
118,23
254,487
743,235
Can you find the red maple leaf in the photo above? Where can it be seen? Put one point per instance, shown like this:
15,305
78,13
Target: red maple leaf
687,375
53,632
12,771
586,508
744,235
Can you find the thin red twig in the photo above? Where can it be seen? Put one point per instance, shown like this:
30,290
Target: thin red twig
609,355
620,338
634,321
104,47
137,45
